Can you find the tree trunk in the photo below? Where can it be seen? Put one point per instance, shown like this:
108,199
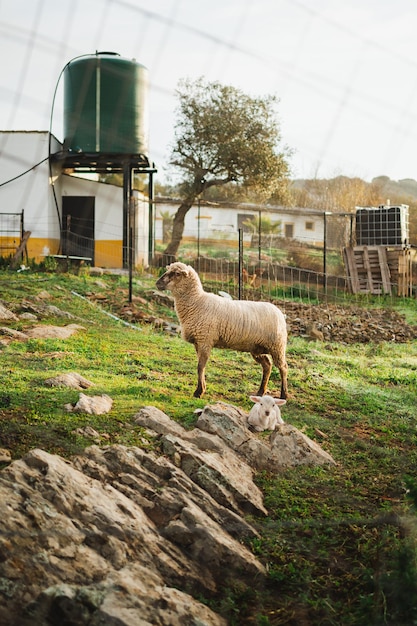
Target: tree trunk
178,229
199,185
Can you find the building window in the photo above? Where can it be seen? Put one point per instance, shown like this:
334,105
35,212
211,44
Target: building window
309,226
289,230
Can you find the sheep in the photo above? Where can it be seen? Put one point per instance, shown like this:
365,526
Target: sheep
265,413
209,321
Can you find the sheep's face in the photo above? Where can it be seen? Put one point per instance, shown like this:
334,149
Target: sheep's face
175,273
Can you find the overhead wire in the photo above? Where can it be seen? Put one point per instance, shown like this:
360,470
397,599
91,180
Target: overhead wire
10,180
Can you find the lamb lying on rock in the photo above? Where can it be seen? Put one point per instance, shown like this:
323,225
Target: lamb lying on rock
265,413
210,321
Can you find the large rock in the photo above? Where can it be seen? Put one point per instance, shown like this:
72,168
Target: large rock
11,334
119,536
131,596
208,460
287,446
290,447
227,421
45,310
223,475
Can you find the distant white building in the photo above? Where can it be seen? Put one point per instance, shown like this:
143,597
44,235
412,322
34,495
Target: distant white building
64,213
222,222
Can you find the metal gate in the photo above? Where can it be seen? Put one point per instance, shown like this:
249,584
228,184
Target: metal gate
11,233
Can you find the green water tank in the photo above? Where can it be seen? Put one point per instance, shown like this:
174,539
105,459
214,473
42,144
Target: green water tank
105,105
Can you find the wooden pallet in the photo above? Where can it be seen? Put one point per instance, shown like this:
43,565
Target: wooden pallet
367,269
401,269
379,269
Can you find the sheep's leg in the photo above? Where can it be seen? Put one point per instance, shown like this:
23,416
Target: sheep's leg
264,360
203,356
280,363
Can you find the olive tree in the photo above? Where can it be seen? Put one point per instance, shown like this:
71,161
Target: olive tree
223,136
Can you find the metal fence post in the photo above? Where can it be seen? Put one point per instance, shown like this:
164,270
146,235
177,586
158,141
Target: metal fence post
198,234
240,263
259,236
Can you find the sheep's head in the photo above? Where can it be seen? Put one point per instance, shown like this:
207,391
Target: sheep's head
176,274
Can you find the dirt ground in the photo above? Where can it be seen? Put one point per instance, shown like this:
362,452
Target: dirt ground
330,322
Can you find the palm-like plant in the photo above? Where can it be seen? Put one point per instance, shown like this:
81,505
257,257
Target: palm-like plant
264,225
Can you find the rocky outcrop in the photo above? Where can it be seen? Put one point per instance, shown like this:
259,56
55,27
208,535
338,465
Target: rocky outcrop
89,542
286,447
122,536
222,428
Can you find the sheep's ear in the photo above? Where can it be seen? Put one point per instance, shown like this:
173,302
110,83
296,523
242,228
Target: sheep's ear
280,402
255,398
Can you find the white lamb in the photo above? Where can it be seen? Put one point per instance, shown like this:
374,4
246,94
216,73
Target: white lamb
210,321
265,413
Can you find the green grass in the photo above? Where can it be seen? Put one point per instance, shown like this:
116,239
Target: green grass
339,542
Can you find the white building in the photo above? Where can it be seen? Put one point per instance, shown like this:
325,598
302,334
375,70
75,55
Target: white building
64,213
222,222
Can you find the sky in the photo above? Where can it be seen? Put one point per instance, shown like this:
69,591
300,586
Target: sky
344,71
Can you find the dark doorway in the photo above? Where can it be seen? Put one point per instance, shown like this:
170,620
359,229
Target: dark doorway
78,226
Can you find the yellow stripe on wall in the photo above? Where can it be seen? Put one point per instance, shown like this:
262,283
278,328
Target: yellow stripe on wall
107,253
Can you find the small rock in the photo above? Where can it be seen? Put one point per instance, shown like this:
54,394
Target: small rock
29,317
94,405
96,271
87,431
43,295
53,332
13,334
71,379
5,456
6,314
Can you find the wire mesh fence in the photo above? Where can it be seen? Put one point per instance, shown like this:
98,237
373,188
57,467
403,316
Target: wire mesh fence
250,263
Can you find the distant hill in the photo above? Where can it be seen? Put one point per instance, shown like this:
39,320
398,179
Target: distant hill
317,193
346,193
394,188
